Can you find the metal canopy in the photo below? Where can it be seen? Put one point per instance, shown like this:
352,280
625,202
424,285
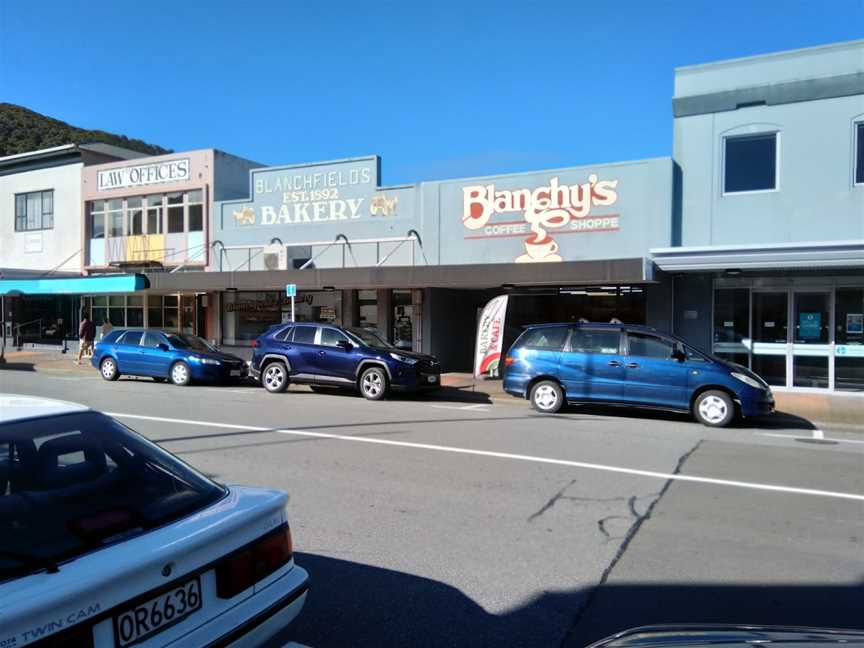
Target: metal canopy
124,283
481,275
783,256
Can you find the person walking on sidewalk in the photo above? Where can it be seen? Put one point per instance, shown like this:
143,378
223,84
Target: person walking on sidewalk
86,335
106,328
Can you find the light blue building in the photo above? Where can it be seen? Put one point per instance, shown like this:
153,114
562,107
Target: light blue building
768,263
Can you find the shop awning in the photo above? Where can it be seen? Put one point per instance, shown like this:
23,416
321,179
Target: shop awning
778,256
481,275
121,283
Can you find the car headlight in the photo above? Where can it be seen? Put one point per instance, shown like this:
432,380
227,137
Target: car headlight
747,380
401,358
206,361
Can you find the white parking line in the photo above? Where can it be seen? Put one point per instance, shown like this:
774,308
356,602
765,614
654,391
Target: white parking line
821,437
516,457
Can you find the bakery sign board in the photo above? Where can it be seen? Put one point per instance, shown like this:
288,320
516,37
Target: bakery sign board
540,214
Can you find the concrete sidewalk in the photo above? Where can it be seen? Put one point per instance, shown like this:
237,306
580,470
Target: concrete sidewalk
818,409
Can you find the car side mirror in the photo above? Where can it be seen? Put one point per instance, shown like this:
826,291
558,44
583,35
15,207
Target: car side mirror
345,345
163,347
679,355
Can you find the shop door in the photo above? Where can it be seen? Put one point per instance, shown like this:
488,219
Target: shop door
811,338
770,335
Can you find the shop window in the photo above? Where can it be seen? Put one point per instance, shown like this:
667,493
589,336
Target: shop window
732,324
134,310
170,312
750,163
859,153
849,349
154,214
368,301
34,211
196,211
135,216
96,219
175,213
114,216
403,319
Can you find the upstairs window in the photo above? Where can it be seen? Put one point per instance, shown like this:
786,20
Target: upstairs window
34,211
859,153
750,163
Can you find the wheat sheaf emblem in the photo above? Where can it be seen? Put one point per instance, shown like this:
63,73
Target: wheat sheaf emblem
245,216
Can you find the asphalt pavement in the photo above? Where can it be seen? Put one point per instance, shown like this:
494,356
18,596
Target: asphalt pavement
453,521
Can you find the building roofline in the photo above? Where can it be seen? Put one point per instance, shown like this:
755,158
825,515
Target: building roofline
770,55
68,149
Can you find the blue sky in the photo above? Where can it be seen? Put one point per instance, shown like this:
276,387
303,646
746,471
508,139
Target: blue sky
443,89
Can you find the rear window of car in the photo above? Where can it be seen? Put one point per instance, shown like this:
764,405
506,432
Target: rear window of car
595,341
112,336
304,334
547,337
131,338
73,483
284,335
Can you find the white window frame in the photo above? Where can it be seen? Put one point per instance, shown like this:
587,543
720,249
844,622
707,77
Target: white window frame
856,124
777,149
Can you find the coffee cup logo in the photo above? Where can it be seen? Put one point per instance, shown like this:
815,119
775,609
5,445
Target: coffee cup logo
545,209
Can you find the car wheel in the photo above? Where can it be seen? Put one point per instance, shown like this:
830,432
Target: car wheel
274,377
180,374
373,383
158,379
547,397
714,409
108,369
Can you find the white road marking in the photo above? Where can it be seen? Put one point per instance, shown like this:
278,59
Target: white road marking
464,408
517,457
822,437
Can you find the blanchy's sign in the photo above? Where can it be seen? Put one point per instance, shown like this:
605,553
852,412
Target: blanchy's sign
546,211
144,174
342,191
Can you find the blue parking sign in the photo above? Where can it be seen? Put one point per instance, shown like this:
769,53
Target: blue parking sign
290,290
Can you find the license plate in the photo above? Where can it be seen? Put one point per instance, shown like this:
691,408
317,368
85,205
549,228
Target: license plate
160,612
432,379
235,372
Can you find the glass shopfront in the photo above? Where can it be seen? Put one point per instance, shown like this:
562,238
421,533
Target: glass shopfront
809,335
246,315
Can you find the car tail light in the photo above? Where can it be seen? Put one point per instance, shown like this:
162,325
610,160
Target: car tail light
254,344
509,360
242,569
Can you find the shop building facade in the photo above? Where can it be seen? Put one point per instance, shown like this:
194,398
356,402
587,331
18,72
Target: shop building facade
40,233
769,262
155,215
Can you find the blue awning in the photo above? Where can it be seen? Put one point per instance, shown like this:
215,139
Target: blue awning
124,283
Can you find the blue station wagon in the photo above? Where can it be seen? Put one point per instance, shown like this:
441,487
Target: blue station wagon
555,364
161,355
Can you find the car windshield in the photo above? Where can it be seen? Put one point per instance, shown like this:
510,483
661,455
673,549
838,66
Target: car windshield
77,482
370,338
190,342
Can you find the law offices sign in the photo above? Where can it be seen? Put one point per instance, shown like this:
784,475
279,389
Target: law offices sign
144,174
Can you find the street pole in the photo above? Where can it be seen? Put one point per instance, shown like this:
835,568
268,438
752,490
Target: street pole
292,309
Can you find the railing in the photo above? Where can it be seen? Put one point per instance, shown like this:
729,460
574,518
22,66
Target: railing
347,246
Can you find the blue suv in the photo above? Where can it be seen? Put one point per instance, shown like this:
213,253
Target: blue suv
324,355
554,364
178,357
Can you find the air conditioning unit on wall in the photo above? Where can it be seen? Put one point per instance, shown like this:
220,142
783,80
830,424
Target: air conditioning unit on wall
275,257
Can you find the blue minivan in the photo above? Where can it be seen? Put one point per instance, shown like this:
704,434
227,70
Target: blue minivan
622,364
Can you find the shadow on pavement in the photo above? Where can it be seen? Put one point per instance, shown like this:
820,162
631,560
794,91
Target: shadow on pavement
357,605
17,366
